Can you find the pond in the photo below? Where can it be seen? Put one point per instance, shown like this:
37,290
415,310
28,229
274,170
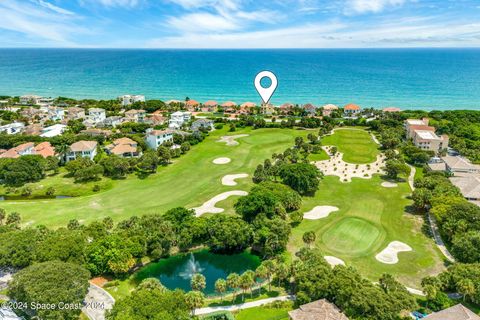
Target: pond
176,271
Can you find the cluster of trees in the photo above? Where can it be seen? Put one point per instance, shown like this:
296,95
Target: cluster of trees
458,219
292,167
358,298
57,287
29,168
458,278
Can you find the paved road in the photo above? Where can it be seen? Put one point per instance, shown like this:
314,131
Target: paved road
245,305
432,222
98,302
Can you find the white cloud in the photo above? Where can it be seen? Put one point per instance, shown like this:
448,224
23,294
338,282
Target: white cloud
408,32
38,21
197,22
55,8
113,3
367,6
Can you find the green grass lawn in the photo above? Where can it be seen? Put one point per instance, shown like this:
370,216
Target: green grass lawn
264,313
356,145
369,218
63,185
189,181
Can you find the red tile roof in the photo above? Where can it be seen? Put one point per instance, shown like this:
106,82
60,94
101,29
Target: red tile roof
229,104
192,103
44,149
211,103
351,106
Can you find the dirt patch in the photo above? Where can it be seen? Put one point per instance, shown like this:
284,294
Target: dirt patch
230,140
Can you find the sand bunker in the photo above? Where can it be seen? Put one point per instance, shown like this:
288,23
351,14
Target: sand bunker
229,179
387,184
230,140
334,261
335,166
222,160
319,212
389,255
209,206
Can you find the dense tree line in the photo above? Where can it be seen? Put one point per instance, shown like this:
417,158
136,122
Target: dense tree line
359,298
458,219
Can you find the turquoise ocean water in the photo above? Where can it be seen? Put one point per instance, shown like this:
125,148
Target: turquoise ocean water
408,78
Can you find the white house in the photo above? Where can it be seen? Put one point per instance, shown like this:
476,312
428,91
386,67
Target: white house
97,115
53,131
177,119
155,138
134,115
112,121
29,99
129,99
12,128
85,149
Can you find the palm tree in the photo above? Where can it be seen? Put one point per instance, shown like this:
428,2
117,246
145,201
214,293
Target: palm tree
233,281
198,282
221,287
194,299
251,276
261,272
270,266
309,238
245,283
62,150
282,272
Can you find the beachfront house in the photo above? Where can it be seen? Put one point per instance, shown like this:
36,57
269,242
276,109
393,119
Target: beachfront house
53,131
156,138
428,140
424,136
84,149
352,110
202,124
209,106
317,310
12,128
129,99
30,99
123,147
191,104
96,115
328,109
177,119
134,115
458,312
310,109
267,108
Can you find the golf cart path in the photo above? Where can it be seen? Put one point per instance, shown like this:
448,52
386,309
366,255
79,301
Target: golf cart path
246,305
431,221
97,295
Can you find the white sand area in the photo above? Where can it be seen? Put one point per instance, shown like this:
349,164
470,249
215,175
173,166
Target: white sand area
335,166
387,184
229,179
223,160
209,206
230,140
334,261
389,255
319,212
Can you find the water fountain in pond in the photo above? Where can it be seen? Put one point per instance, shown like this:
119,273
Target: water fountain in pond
192,267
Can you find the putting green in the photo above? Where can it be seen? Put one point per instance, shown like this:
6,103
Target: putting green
352,236
356,145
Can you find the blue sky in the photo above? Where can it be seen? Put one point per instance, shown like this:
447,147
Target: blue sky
239,23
